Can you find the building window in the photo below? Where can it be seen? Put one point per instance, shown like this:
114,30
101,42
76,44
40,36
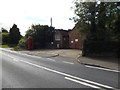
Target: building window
76,40
58,45
72,41
57,37
51,42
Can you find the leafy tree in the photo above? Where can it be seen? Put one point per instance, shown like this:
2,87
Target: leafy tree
14,35
4,30
100,20
100,17
30,32
42,34
5,38
23,43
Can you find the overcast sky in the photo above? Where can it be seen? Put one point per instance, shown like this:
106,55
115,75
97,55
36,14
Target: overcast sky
24,13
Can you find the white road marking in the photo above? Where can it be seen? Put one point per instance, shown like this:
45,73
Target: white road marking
16,60
50,59
67,75
67,62
86,84
61,73
102,68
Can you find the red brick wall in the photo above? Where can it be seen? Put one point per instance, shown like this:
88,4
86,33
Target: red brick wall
64,39
73,35
67,37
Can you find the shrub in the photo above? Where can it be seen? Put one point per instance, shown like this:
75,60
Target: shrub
5,38
17,48
99,47
23,43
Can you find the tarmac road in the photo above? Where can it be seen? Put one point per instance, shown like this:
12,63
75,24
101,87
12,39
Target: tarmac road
25,71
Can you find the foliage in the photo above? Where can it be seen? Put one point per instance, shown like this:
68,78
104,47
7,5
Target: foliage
5,38
5,46
101,46
97,17
23,43
100,21
17,48
4,30
42,34
14,35
30,32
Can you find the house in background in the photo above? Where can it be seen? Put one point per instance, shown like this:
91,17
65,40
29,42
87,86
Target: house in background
61,39
68,39
75,39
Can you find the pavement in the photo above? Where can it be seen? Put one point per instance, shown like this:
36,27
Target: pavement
74,56
103,62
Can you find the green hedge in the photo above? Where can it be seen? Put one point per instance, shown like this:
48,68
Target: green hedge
100,47
5,38
23,43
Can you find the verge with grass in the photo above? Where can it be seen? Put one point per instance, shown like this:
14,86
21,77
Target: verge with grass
17,48
4,46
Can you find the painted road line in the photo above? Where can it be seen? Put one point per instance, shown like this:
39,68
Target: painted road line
67,62
7,55
21,53
83,83
16,60
106,86
102,68
67,75
51,59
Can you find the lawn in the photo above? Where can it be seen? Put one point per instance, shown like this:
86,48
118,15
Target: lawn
15,48
4,46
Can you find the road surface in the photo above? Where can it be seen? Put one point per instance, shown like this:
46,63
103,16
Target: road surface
20,70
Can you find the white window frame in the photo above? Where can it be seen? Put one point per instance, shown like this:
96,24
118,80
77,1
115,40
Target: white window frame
57,37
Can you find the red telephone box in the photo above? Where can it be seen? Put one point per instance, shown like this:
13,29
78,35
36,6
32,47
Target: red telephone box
30,43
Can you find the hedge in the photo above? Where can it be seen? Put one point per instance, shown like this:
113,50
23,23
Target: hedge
101,47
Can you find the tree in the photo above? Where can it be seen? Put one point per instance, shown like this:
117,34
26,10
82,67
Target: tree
42,35
101,17
4,30
102,22
14,35
23,43
5,37
30,32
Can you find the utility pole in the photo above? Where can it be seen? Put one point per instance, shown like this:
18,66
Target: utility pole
51,21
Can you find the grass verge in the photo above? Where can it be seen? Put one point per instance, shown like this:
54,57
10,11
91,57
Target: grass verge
4,46
17,48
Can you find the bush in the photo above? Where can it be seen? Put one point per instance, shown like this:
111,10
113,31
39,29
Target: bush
17,48
5,38
99,47
23,43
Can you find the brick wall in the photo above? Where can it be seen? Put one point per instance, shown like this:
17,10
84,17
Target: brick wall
63,40
75,40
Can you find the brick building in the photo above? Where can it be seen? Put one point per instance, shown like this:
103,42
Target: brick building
61,38
68,39
75,39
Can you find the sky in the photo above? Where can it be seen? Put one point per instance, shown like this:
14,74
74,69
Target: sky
24,13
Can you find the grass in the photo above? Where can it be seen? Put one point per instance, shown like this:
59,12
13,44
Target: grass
17,48
4,46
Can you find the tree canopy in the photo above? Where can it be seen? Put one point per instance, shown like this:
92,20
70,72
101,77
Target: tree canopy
97,17
42,34
3,30
100,21
14,35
